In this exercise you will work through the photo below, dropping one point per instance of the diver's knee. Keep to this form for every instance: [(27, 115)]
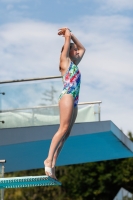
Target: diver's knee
[(63, 129)]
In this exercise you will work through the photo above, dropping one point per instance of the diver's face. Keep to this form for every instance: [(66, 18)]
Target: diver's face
[(74, 53)]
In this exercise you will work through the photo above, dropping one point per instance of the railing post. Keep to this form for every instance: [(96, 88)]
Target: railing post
[(0, 103), (1, 93), (99, 112), (2, 169)]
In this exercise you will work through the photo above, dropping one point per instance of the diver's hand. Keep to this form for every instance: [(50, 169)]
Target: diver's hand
[(63, 31)]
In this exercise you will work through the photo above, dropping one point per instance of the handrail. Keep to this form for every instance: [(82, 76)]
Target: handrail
[(49, 106), (2, 176), (30, 79), (91, 102)]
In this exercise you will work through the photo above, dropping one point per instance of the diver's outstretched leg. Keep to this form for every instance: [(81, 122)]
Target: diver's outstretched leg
[(66, 111), (56, 154)]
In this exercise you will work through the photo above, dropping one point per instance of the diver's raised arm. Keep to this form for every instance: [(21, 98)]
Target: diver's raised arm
[(81, 48), (66, 47)]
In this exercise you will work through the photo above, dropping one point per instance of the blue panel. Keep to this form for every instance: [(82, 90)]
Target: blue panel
[(92, 148), (78, 149), (24, 156)]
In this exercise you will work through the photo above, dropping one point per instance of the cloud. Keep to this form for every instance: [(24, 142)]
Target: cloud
[(9, 7), (116, 5), (32, 49), (108, 43), (107, 66), (27, 47)]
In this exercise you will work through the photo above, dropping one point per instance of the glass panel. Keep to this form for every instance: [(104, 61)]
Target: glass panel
[(44, 116), (30, 94), (31, 104)]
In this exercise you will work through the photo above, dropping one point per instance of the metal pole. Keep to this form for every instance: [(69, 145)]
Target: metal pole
[(49, 106), (30, 79), (2, 176), (0, 104), (3, 93), (99, 112), (2, 190)]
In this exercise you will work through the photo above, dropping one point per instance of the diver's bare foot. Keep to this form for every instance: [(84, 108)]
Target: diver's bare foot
[(48, 168)]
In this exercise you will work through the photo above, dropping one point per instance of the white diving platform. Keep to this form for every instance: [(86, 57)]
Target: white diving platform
[(29, 181)]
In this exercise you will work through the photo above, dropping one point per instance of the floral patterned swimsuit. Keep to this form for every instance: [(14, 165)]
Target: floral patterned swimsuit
[(71, 81)]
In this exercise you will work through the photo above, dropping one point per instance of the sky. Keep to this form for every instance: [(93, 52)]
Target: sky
[(30, 48)]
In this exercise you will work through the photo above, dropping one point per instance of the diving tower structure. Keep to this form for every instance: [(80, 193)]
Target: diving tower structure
[(26, 130)]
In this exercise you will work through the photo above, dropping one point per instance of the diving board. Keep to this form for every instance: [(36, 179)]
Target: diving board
[(26, 148), (27, 181)]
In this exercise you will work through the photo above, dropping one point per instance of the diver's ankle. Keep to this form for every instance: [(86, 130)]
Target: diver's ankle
[(48, 162)]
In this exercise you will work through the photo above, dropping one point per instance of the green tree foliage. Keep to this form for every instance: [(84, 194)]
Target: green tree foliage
[(130, 135), (89, 181)]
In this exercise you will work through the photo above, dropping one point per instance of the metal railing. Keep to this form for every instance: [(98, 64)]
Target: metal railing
[(30, 79), (56, 105), (2, 168), (49, 106), (45, 106)]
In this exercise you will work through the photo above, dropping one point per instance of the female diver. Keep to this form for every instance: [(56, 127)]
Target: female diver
[(70, 57)]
